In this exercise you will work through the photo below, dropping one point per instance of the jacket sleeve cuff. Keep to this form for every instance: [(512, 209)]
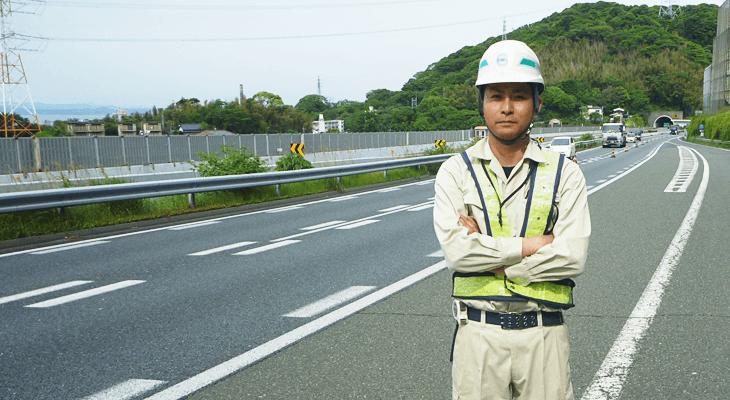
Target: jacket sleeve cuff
[(511, 250)]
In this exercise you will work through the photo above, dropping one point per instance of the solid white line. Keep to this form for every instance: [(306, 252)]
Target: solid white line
[(606, 183), (608, 381), (266, 247), (282, 209), (423, 207), (69, 247), (193, 225), (324, 225), (343, 198), (242, 361), (84, 294), (329, 302), (126, 390), (38, 292), (359, 224), (391, 189), (222, 248)]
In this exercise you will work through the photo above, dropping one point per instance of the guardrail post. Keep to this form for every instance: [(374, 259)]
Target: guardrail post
[(254, 144), (191, 200), (385, 173), (278, 190)]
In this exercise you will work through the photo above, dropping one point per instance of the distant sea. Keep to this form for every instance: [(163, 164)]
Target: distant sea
[(64, 112)]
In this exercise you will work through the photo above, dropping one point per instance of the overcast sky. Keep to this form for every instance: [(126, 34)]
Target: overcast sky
[(145, 53)]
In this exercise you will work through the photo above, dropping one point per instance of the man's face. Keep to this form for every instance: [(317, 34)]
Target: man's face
[(508, 108)]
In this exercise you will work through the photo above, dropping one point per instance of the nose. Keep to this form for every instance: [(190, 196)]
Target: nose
[(507, 106)]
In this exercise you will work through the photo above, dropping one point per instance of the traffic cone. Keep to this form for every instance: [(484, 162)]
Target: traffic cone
[(613, 153), (636, 144), (575, 158)]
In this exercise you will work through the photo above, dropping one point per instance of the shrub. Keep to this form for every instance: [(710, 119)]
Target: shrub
[(234, 162), (291, 162)]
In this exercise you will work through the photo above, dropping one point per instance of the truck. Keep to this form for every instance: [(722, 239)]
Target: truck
[(614, 134)]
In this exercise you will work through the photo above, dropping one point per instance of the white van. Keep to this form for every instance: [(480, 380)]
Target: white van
[(563, 144)]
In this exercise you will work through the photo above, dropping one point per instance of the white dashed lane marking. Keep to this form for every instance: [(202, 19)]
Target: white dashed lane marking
[(38, 292), (222, 248), (320, 226), (359, 224), (267, 247), (84, 294)]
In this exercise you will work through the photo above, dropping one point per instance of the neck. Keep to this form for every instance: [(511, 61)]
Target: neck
[(509, 155)]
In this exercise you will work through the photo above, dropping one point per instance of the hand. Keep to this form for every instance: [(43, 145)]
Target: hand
[(469, 223), (531, 245)]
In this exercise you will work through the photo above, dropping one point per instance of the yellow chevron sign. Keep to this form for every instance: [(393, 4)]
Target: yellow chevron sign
[(441, 144), (540, 139), (297, 148)]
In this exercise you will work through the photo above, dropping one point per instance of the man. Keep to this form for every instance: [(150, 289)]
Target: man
[(513, 263)]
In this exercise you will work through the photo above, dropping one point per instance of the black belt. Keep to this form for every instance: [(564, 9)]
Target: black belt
[(516, 321)]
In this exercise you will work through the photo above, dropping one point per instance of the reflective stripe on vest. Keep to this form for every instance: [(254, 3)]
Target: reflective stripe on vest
[(544, 180)]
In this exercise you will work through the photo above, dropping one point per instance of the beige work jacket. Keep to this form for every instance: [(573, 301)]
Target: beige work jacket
[(456, 194)]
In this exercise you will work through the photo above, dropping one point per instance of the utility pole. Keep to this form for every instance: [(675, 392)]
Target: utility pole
[(240, 99), (504, 28), (16, 92)]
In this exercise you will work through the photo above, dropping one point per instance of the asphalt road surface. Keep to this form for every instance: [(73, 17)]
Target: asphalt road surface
[(347, 296)]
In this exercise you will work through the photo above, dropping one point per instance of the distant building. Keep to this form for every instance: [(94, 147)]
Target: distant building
[(593, 109), (555, 123), (322, 126), (86, 128), (126, 128), (151, 128), (190, 129)]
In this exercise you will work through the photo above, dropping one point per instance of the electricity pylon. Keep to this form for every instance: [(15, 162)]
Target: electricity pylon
[(17, 101), (667, 8)]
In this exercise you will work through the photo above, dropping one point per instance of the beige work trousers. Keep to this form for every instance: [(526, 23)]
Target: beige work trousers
[(491, 363)]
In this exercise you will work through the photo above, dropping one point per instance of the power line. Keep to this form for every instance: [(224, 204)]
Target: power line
[(210, 7), (324, 35)]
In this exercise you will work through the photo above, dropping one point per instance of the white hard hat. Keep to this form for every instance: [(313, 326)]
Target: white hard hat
[(510, 61)]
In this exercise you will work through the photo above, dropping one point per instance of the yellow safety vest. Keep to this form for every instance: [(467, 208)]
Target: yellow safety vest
[(538, 221)]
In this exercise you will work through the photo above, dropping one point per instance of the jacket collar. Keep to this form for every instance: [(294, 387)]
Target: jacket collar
[(482, 150)]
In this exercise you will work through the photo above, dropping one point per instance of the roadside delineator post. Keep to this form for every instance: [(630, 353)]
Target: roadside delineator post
[(613, 153)]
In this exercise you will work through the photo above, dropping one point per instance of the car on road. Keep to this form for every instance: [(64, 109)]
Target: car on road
[(563, 144), (674, 130), (631, 137), (637, 133)]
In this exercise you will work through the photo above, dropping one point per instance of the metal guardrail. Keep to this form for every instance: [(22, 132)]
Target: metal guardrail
[(67, 197)]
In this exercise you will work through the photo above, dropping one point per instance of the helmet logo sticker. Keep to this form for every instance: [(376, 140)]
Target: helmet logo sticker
[(502, 59), (483, 64)]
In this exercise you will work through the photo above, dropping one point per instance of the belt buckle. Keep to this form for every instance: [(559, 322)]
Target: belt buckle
[(518, 321)]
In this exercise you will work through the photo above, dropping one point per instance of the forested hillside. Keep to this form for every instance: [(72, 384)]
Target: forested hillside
[(602, 54)]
